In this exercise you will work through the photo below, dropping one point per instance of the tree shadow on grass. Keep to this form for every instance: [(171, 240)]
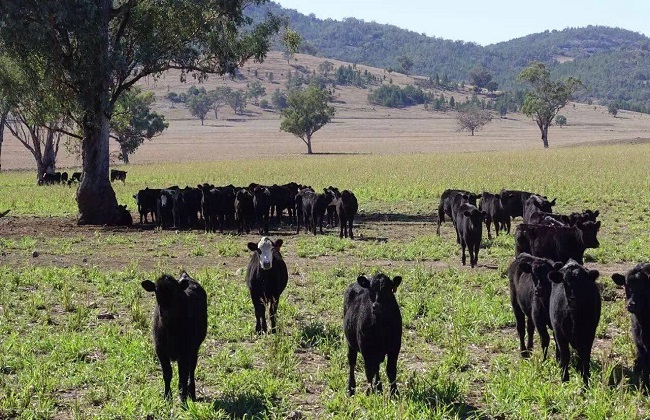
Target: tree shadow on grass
[(244, 405)]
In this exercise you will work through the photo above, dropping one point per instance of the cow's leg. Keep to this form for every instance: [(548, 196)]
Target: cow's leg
[(563, 351), (260, 316), (183, 376), (488, 222), (350, 228), (545, 339), (520, 320), (166, 366), (530, 327), (391, 372), (372, 369), (192, 384), (352, 361), (273, 308), (462, 246)]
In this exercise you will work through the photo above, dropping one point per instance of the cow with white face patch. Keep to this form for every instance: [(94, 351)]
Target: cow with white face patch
[(266, 278)]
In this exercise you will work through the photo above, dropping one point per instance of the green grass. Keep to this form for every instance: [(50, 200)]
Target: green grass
[(459, 354)]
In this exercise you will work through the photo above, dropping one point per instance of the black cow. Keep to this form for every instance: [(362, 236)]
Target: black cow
[(146, 200), (244, 210), (331, 210), (64, 177), (469, 229), (530, 293), (117, 175), (266, 278), (446, 201), (494, 213), (212, 208), (262, 205), (165, 216), (122, 216), (536, 203), (557, 243), (346, 208), (637, 296), (514, 201), (283, 197), (50, 178), (314, 206), (300, 217), (574, 310), (180, 323), (76, 176), (373, 326)]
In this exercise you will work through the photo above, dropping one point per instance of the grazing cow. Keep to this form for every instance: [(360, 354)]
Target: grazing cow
[(346, 208), (244, 210), (574, 310), (557, 243), (445, 206), (637, 297), (50, 178), (117, 175), (494, 213), (76, 176), (180, 323), (373, 326), (469, 228), (536, 203), (313, 208), (261, 205), (530, 293), (146, 200), (266, 278), (122, 216), (514, 201)]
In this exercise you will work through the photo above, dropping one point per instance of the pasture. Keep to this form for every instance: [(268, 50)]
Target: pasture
[(75, 324)]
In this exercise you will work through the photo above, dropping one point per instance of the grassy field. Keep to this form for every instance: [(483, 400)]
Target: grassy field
[(75, 323)]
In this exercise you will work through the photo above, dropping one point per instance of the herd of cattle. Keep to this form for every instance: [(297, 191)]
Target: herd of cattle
[(549, 288), (51, 178), (220, 207)]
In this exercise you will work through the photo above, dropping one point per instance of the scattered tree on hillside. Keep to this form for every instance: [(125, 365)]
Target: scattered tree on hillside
[(472, 118), (255, 90), (480, 77), (325, 68), (547, 97), (291, 43), (560, 120), (279, 100), (406, 63), (612, 108), (95, 50), (236, 99), (133, 121), (219, 97), (492, 86), (199, 105), (306, 113)]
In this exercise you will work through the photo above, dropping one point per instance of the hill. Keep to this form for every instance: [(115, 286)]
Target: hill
[(614, 63)]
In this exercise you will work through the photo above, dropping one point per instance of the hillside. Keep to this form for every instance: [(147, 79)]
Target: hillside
[(614, 63)]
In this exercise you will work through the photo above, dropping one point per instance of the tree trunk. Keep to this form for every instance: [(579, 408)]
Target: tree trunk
[(3, 121), (544, 129), (309, 152), (124, 153)]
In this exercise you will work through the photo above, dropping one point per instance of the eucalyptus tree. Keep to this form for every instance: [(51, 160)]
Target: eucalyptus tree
[(92, 51)]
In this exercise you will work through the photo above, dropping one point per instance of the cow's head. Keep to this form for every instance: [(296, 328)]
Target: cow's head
[(637, 288), (265, 249), (539, 268), (575, 279), (589, 233), (381, 290), (168, 291), (476, 216)]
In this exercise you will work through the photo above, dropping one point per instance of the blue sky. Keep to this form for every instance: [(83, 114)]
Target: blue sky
[(484, 22)]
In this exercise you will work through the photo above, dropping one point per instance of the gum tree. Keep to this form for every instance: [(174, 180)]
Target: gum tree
[(307, 111), (95, 50)]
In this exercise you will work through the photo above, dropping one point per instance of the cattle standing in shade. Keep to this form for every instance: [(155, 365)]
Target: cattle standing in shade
[(180, 324), (146, 201), (637, 297), (266, 278), (346, 207), (557, 243), (373, 326), (530, 294), (117, 175), (494, 213), (469, 229), (574, 310)]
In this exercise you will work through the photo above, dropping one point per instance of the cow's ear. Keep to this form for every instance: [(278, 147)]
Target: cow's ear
[(363, 282), (467, 213), (278, 244), (618, 279), (596, 213), (552, 203), (555, 276), (185, 283), (593, 275), (149, 286), (397, 280), (525, 267), (252, 246), (597, 225)]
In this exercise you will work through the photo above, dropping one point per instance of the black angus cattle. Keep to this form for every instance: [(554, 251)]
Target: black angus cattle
[(300, 218), (282, 198), (212, 208), (50, 178), (122, 216), (469, 228), (584, 216), (192, 199), (64, 177), (117, 175), (574, 310), (494, 213), (549, 219), (180, 324), (637, 299), (146, 200), (346, 208), (266, 278), (514, 201), (557, 243), (530, 294), (261, 205), (331, 210), (165, 207), (244, 210), (536, 203), (446, 201), (76, 176), (314, 206), (373, 326)]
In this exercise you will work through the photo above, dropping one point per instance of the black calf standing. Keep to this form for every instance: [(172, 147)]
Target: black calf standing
[(180, 323), (346, 207), (637, 295), (469, 229), (574, 311), (266, 278), (373, 326), (495, 213), (530, 293)]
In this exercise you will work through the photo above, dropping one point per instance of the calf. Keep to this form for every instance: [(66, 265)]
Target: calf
[(469, 228), (146, 201), (244, 210), (266, 278), (530, 293), (536, 203), (180, 323), (117, 175), (574, 310), (514, 201), (282, 197), (313, 208), (373, 326), (637, 296), (122, 216), (346, 208), (557, 243), (494, 213), (445, 206)]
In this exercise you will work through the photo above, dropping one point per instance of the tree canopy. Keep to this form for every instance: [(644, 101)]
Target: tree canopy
[(307, 112), (547, 97), (472, 118)]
